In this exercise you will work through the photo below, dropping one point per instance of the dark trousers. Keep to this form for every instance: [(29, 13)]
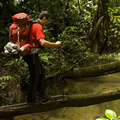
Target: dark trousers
[(37, 77)]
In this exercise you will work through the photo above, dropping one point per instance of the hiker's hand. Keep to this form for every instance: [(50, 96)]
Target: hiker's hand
[(58, 43)]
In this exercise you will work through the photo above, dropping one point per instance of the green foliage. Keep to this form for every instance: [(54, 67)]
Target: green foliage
[(14, 62), (110, 114), (4, 79), (10, 63), (45, 57), (17, 65), (114, 14), (71, 20), (75, 47)]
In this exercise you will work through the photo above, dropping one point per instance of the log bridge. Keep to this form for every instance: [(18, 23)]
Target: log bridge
[(59, 101)]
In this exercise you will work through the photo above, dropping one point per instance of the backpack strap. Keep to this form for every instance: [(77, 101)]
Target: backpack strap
[(27, 33), (10, 33), (18, 33), (33, 43), (36, 21)]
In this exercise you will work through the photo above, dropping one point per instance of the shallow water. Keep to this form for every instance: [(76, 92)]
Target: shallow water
[(82, 85)]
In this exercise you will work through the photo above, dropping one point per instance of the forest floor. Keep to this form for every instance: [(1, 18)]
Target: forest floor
[(11, 90)]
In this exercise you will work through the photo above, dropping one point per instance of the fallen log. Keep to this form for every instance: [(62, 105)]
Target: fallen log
[(59, 102), (92, 71), (59, 73), (97, 70)]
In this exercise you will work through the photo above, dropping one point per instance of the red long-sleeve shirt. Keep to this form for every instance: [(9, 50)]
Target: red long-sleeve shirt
[(36, 32)]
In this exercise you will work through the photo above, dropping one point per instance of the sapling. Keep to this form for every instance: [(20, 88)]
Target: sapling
[(111, 115)]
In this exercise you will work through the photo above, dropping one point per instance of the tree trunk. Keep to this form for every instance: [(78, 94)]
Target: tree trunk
[(97, 70), (59, 102)]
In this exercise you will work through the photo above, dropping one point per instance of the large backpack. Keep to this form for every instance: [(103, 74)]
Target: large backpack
[(18, 36)]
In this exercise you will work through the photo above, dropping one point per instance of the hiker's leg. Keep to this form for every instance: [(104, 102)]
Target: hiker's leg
[(42, 82), (37, 71), (33, 81)]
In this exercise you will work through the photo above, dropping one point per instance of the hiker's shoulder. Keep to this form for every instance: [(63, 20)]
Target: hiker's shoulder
[(36, 25)]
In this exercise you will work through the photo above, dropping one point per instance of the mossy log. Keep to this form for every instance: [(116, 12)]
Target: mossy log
[(92, 71), (56, 102), (97, 70)]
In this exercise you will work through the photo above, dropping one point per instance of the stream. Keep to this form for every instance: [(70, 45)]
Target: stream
[(80, 86)]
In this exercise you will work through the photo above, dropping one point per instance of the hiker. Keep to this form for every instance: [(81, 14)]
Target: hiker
[(37, 72)]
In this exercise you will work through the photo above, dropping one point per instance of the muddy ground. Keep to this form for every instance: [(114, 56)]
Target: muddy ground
[(82, 85)]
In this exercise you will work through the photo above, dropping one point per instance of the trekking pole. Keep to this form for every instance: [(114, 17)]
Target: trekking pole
[(59, 57), (60, 76), (61, 81)]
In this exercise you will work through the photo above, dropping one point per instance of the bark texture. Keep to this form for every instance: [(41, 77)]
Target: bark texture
[(56, 102), (97, 70)]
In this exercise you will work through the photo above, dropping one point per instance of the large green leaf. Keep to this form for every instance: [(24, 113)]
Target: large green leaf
[(101, 119), (1, 4), (110, 114), (44, 58)]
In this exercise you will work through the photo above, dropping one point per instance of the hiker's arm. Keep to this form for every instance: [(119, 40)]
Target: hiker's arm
[(45, 43)]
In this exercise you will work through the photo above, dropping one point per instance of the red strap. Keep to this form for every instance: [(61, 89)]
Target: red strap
[(10, 33)]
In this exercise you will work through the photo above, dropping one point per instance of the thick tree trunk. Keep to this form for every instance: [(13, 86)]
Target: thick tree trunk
[(59, 102), (97, 70)]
